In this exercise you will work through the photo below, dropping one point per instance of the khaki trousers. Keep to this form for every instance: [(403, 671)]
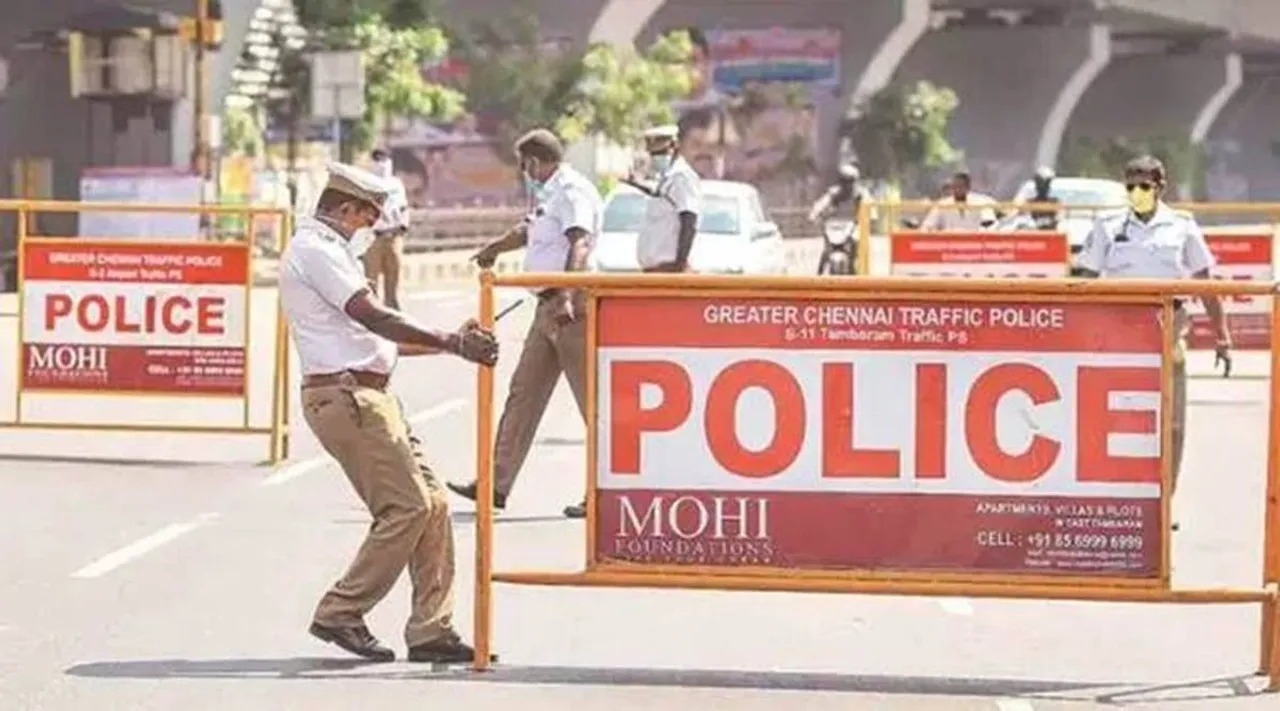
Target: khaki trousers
[(383, 260), (549, 350), (1182, 327), (366, 431)]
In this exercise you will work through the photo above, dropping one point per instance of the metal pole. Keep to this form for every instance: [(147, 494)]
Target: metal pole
[(200, 162)]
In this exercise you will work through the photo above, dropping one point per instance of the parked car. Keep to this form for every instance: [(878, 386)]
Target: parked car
[(1090, 192), (734, 236)]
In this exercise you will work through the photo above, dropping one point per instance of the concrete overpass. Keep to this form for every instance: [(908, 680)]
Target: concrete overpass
[(1028, 72)]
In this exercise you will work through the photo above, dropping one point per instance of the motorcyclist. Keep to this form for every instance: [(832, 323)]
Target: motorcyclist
[(845, 191), (1043, 182)]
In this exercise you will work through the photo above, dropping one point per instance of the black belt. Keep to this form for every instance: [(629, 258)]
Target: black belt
[(362, 378)]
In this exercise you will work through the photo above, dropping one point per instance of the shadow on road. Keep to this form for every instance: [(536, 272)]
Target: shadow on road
[(318, 668)]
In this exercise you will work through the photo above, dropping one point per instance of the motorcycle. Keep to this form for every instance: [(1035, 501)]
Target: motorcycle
[(839, 247)]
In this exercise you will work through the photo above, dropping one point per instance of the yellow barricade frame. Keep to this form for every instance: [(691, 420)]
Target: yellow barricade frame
[(278, 427), (1016, 586)]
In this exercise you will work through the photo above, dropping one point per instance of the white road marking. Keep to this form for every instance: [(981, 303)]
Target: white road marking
[(306, 466), (139, 548), (1014, 705), (957, 606)]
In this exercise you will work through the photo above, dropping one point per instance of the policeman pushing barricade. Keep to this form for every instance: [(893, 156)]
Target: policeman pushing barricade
[(1151, 240), (348, 343), (558, 235)]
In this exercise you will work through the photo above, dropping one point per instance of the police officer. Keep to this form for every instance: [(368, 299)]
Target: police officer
[(1151, 240), (671, 212), (558, 236), (385, 254), (348, 343)]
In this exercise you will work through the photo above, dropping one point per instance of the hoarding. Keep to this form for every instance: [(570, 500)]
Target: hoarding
[(908, 435), (979, 254), (1241, 257), (134, 318)]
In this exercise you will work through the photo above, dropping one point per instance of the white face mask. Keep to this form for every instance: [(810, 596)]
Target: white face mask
[(360, 242), (383, 168)]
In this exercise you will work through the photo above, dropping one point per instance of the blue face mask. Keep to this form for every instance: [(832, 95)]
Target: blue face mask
[(661, 162)]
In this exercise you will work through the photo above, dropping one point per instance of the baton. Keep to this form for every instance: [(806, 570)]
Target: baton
[(507, 310)]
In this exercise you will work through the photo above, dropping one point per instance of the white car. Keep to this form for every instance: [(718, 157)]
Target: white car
[(735, 236), (1089, 192)]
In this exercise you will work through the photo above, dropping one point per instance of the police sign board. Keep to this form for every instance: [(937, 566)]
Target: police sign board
[(962, 436), (134, 318), (1241, 257), (979, 254)]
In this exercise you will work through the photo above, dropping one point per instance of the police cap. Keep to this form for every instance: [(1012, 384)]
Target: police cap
[(359, 184)]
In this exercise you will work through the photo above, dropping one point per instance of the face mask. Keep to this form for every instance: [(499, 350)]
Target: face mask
[(1142, 200), (532, 188), (661, 162), (360, 242), (383, 169)]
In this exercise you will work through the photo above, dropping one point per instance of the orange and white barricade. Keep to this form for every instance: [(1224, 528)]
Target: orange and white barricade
[(1006, 255), (1246, 257), (792, 433), (146, 333)]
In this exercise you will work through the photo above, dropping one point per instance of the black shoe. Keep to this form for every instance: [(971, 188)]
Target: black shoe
[(468, 491), (449, 649), (576, 510), (357, 640)]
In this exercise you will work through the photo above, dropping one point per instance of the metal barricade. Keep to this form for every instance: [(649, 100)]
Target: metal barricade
[(114, 323), (677, 499)]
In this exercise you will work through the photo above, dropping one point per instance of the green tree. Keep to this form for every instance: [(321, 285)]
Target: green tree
[(901, 131), (241, 133), (396, 38), (515, 82)]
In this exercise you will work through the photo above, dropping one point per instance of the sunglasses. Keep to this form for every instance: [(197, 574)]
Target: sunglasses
[(1143, 186)]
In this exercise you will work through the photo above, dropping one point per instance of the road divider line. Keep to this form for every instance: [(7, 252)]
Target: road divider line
[(306, 466), (1014, 705), (141, 547), (957, 606)]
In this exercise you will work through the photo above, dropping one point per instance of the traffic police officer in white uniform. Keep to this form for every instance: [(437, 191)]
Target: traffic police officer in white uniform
[(348, 343), (558, 236), (675, 198), (1153, 241)]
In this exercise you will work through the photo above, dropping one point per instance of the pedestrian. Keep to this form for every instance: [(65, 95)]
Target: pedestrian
[(558, 235), (383, 258), (348, 343), (973, 210), (671, 212), (1151, 240)]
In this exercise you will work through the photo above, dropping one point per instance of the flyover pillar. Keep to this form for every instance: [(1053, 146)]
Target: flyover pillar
[(1244, 143), (1153, 94), (1016, 86)]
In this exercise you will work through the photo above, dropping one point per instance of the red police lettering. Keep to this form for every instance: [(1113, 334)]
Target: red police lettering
[(843, 457), (174, 314)]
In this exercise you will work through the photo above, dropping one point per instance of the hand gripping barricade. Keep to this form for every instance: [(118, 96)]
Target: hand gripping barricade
[(687, 490), (155, 333)]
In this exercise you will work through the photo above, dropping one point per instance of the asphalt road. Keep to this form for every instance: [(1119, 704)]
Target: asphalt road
[(172, 572)]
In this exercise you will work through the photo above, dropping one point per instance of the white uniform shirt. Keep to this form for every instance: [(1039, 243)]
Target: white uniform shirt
[(395, 211), (568, 200), (978, 209), (318, 276), (679, 190), (1169, 246)]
